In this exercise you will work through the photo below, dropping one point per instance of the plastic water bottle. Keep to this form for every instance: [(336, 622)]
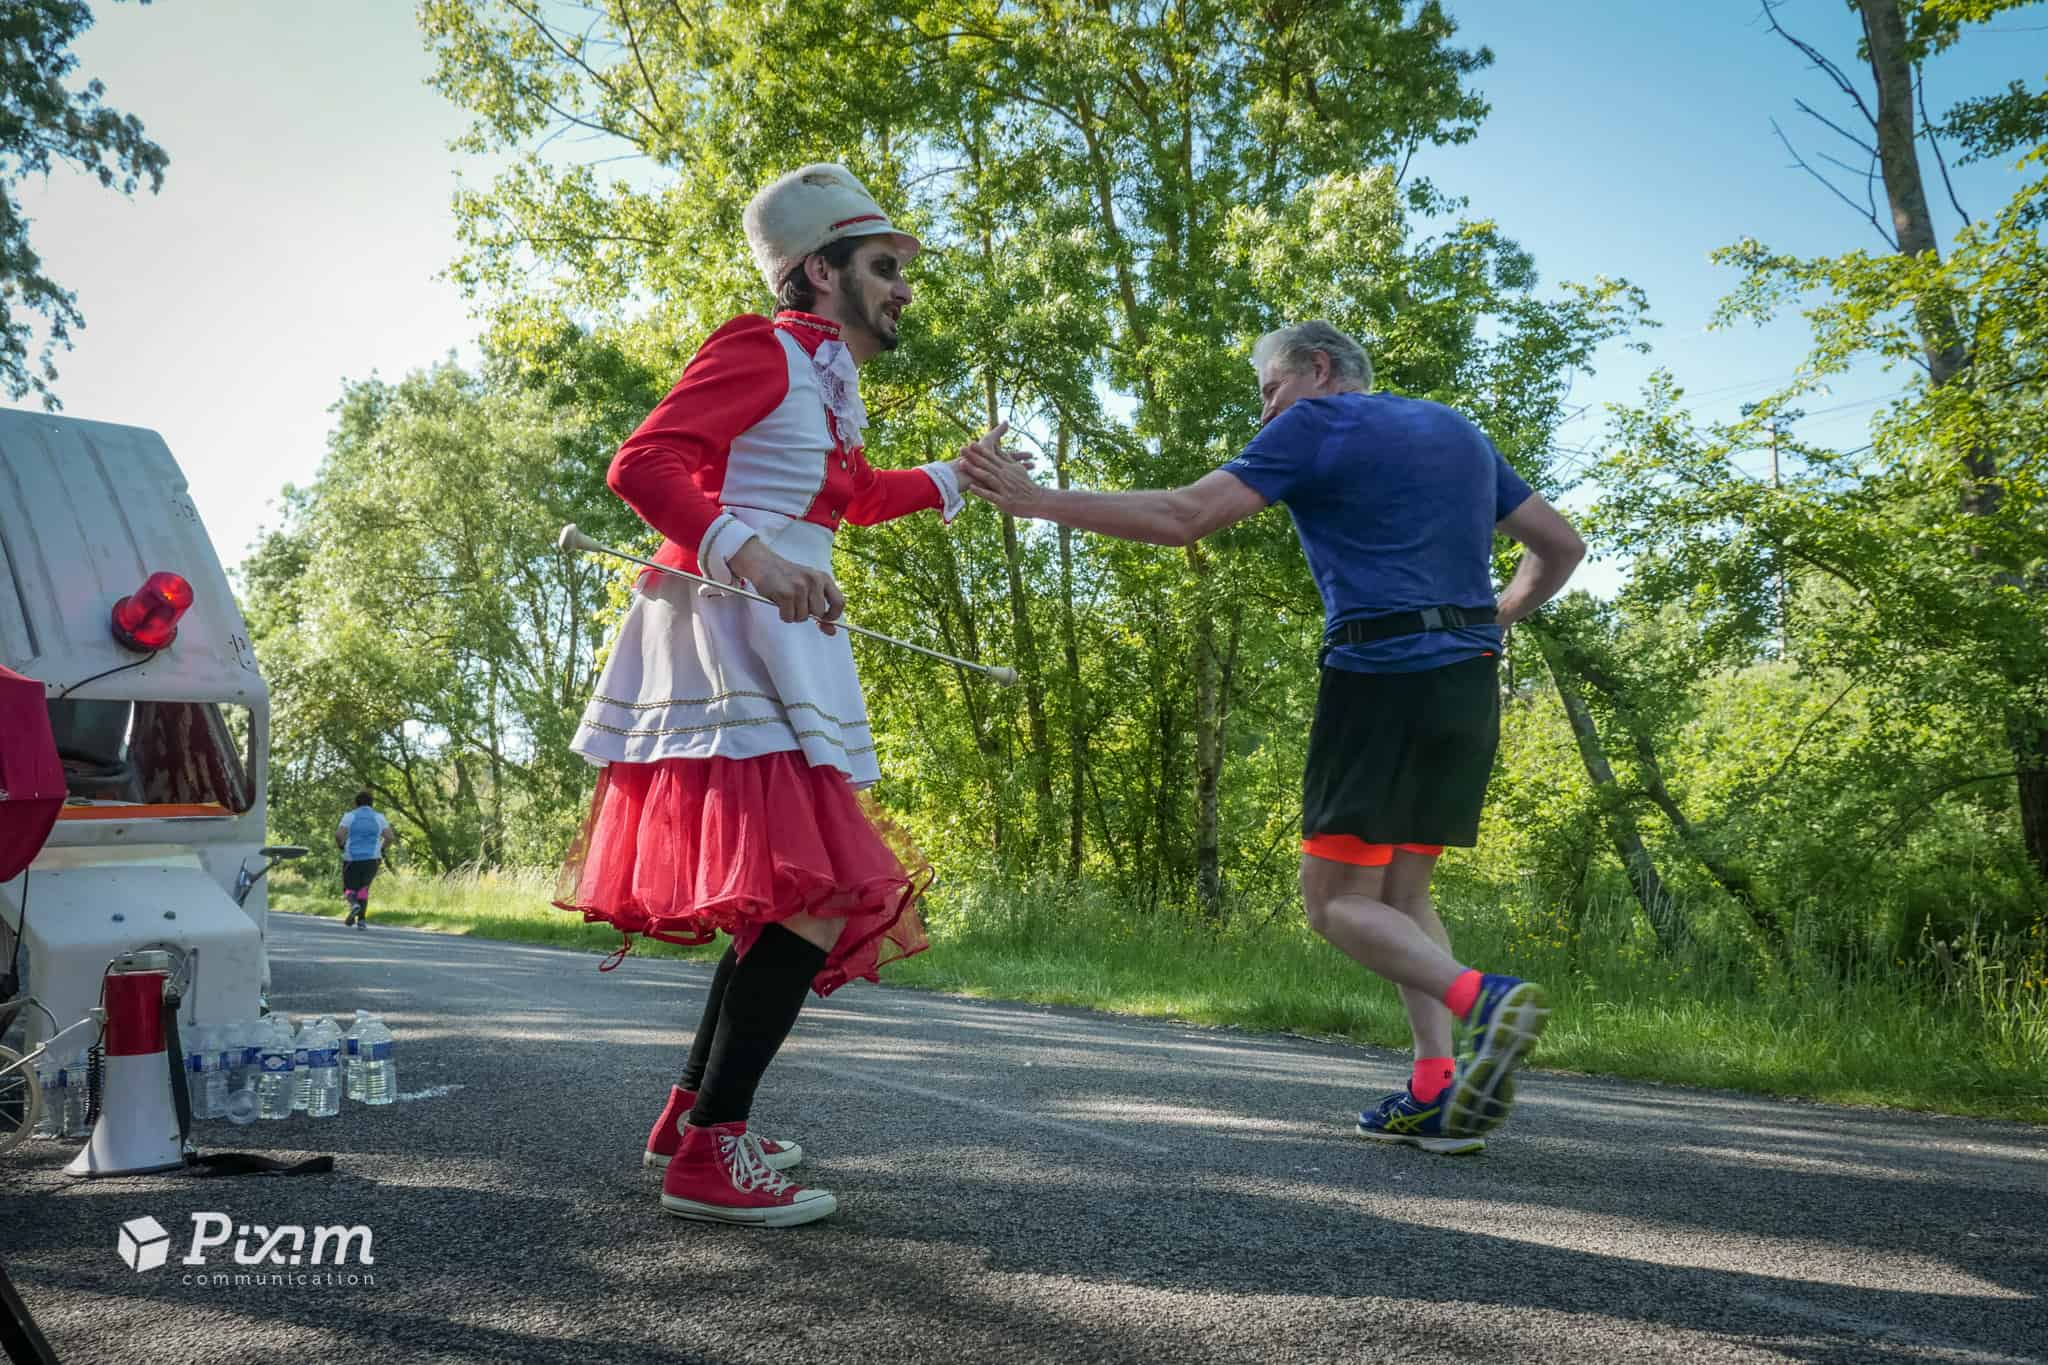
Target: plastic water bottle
[(227, 1055), (352, 1073), (202, 1072), (194, 1064), (274, 1081), (55, 1080), (323, 1094), (239, 1041), (252, 1034), (78, 1098), (216, 1078), (242, 1060), (380, 1071), (302, 1065)]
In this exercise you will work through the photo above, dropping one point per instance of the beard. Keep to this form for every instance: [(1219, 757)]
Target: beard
[(873, 320)]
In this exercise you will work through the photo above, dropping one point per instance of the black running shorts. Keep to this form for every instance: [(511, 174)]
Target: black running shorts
[(1402, 758)]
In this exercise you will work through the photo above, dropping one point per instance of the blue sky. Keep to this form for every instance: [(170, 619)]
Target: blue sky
[(304, 218)]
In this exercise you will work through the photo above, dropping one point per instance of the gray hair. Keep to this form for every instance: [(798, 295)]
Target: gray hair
[(1292, 345)]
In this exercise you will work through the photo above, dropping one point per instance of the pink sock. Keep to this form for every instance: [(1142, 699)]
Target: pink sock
[(1463, 993), (1430, 1078)]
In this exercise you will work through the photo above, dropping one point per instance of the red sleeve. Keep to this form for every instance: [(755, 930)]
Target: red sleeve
[(670, 471), (884, 494)]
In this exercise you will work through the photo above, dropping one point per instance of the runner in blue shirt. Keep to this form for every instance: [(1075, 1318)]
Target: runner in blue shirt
[(363, 836), (1396, 501)]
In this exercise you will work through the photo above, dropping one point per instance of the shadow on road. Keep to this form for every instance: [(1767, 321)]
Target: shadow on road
[(1031, 1184)]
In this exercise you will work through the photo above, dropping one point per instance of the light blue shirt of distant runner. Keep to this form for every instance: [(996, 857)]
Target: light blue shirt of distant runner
[(364, 829)]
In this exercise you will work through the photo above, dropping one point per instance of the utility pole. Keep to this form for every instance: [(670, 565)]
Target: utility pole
[(1778, 560), (1773, 425)]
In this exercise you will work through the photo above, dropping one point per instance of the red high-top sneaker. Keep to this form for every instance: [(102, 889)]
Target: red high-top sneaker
[(668, 1135), (718, 1176)]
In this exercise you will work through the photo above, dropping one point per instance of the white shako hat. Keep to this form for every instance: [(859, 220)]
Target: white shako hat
[(807, 209)]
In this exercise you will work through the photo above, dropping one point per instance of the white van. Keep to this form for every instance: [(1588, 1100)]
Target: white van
[(164, 753)]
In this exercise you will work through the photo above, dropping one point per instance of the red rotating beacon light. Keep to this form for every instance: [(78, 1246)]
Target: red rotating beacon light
[(148, 620)]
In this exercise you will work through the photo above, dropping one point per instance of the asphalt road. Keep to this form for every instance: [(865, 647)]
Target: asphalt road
[(1026, 1184)]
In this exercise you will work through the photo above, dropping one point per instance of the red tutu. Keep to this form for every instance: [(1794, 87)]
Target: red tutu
[(686, 848)]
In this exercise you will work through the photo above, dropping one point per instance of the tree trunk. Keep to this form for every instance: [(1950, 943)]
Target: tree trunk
[(1208, 768), (1941, 339), (1615, 813), (1027, 665), (1730, 878), (494, 837), (2029, 739), (1160, 869), (985, 741), (1077, 719), (1212, 709)]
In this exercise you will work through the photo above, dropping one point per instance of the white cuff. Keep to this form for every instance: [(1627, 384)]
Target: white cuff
[(722, 538), (941, 473)]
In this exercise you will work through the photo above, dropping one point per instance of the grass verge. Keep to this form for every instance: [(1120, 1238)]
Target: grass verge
[(1621, 1010)]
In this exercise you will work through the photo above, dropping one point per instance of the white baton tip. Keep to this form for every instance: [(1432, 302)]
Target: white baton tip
[(567, 540), (1005, 676)]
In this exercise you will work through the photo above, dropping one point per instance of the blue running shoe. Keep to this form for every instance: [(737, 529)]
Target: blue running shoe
[(1505, 1023), (1400, 1117)]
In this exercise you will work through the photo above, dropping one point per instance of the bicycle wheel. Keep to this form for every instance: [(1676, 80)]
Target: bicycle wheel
[(21, 1100)]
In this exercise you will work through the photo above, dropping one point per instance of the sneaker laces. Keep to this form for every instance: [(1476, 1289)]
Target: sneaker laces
[(748, 1165)]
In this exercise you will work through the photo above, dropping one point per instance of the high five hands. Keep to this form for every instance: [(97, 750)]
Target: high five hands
[(996, 475), (803, 593)]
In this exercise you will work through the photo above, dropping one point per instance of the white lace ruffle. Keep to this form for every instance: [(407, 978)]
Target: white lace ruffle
[(839, 386)]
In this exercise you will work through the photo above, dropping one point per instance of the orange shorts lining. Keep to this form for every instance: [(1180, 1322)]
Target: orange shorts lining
[(1348, 848)]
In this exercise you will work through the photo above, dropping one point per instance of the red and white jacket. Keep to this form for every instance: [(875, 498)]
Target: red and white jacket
[(766, 416)]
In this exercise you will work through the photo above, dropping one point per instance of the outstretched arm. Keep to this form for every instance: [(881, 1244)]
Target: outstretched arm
[(1179, 516), (1551, 550)]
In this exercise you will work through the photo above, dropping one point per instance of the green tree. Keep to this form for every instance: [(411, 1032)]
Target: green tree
[(1963, 447), (422, 634), (1121, 196), (44, 124)]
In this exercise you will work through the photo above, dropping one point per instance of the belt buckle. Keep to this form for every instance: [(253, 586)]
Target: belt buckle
[(1432, 618)]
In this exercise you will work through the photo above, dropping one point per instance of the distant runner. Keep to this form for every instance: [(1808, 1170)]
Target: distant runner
[(363, 836)]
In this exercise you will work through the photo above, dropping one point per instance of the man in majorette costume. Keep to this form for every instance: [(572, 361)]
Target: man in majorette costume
[(733, 742)]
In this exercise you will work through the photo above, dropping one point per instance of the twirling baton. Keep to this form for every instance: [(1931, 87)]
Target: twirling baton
[(573, 539)]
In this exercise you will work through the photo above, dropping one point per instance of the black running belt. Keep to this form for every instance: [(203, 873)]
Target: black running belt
[(1407, 623)]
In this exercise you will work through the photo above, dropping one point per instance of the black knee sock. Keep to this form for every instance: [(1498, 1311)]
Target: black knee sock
[(707, 1027), (761, 1004)]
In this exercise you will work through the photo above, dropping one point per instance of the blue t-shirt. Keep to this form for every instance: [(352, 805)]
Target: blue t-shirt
[(364, 830), (1395, 501)]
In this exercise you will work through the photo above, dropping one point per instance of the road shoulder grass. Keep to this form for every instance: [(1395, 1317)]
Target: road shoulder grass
[(1872, 1043)]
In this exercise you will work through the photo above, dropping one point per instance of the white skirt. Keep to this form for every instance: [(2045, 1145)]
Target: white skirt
[(699, 673)]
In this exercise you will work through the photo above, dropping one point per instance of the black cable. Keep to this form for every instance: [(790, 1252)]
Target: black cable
[(108, 674), (95, 1074)]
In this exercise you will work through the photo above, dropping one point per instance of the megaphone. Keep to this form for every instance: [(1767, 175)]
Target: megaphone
[(137, 1131)]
